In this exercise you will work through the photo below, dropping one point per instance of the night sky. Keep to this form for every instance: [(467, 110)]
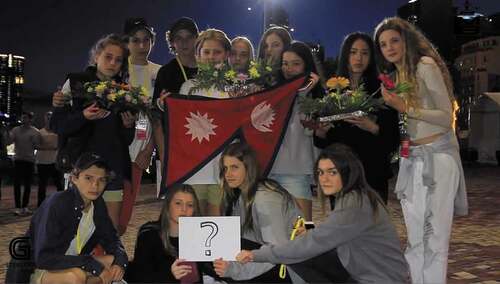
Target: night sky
[(56, 35)]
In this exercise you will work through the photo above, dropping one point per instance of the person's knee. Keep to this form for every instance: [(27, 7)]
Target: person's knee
[(76, 275)]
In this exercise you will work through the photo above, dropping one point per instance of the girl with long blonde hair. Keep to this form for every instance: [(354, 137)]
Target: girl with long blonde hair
[(430, 182)]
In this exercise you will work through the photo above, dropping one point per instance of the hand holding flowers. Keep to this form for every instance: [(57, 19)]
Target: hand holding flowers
[(94, 112), (340, 102), (393, 94), (105, 96), (364, 123)]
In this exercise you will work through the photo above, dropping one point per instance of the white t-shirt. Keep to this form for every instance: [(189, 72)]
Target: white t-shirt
[(142, 75)]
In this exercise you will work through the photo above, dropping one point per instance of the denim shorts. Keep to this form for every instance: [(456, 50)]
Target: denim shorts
[(298, 185), (114, 189)]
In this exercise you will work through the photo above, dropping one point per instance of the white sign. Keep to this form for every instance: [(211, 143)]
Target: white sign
[(209, 238)]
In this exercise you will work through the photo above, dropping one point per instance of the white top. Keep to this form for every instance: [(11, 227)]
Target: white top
[(48, 143), (297, 153), (435, 114), (209, 174), (86, 228), (142, 75)]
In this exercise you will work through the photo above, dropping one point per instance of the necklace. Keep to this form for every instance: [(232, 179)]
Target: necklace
[(182, 68)]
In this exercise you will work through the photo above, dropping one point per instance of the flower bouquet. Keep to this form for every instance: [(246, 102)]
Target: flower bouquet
[(340, 102), (398, 89), (222, 78), (115, 97)]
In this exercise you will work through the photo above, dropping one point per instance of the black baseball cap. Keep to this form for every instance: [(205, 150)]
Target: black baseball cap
[(134, 24), (89, 159), (183, 23)]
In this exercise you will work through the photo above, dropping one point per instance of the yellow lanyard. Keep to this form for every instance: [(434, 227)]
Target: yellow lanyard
[(182, 69), (85, 226), (299, 223), (133, 80)]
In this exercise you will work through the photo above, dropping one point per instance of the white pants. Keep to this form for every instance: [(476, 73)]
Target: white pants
[(428, 218)]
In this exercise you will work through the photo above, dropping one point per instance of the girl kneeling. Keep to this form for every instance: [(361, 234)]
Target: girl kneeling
[(359, 230)]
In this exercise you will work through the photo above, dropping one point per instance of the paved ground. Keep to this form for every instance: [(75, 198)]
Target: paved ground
[(474, 251)]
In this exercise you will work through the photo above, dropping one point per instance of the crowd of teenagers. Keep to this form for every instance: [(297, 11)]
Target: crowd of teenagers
[(348, 160)]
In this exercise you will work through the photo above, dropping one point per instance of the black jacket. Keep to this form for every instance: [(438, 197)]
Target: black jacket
[(374, 151), (106, 137), (151, 262), (54, 226)]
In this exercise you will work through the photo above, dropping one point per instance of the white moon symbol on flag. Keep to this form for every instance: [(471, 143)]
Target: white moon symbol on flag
[(262, 117)]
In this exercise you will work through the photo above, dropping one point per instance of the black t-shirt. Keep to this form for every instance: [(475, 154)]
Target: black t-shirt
[(170, 78)]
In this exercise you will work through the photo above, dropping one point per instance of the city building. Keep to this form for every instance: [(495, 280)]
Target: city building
[(436, 19), (11, 86), (479, 69)]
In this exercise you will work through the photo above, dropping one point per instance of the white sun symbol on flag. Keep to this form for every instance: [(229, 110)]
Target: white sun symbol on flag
[(263, 117), (200, 126)]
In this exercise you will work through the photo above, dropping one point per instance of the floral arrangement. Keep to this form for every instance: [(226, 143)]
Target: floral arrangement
[(210, 75), (116, 97), (223, 78), (340, 102)]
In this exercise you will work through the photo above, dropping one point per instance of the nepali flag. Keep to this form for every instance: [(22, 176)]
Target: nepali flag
[(199, 128)]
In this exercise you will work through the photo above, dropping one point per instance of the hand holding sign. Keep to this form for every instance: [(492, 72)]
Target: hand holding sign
[(209, 238), (245, 256)]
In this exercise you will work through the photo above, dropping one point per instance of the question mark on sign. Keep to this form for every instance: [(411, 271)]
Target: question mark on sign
[(213, 233)]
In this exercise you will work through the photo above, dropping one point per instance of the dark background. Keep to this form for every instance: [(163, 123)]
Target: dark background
[(55, 35)]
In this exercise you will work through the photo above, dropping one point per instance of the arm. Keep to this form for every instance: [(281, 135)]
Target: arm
[(108, 236), (434, 82), (37, 139), (275, 230), (66, 120), (341, 227)]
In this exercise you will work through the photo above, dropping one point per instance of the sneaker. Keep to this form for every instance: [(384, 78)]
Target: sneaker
[(17, 211)]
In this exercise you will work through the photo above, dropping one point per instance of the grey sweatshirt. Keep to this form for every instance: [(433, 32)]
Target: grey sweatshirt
[(272, 225), (370, 251)]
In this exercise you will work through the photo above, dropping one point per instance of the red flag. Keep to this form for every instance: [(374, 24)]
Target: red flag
[(199, 128)]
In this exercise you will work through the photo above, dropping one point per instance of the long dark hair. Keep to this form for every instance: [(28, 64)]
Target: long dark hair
[(352, 175), (165, 215), (304, 52), (281, 32), (244, 153), (369, 76)]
